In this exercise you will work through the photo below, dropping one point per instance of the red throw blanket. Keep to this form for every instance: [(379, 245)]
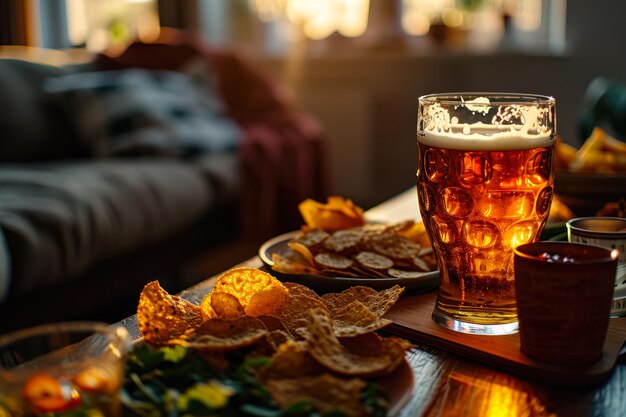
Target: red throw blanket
[(282, 155)]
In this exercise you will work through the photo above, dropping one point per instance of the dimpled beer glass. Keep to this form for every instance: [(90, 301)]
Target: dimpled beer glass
[(485, 185)]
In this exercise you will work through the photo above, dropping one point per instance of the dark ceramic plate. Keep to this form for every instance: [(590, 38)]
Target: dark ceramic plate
[(427, 281), (587, 192)]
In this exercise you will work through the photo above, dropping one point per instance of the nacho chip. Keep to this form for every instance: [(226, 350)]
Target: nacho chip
[(257, 293), (333, 261), (244, 282), (225, 306), (162, 317), (291, 360), (312, 238), (224, 334), (395, 349), (344, 240), (267, 302), (269, 344), (303, 250), (368, 343), (206, 307), (421, 264), (337, 214), (295, 310), (272, 323), (345, 205), (356, 319), (404, 274), (382, 301), (373, 260), (336, 300), (395, 246), (369, 272), (379, 302), (326, 392), (287, 266), (329, 352)]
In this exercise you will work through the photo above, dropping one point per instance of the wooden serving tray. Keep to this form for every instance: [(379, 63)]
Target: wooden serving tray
[(412, 320)]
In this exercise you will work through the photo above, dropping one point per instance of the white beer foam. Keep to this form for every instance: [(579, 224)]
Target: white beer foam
[(480, 138), (503, 133)]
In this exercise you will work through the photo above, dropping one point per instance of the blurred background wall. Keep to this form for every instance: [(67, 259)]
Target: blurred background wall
[(360, 65)]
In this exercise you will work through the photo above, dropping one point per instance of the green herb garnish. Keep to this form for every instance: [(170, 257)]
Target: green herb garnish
[(178, 382)]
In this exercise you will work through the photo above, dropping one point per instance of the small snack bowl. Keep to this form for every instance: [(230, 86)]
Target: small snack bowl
[(608, 232), (563, 293), (71, 368)]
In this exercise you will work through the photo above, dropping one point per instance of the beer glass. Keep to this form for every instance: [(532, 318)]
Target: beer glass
[(485, 185)]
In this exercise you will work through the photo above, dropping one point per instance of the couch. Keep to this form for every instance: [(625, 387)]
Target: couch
[(127, 169)]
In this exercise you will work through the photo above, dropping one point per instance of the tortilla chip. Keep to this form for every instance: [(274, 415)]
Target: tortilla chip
[(162, 317), (396, 348), (383, 300), (291, 360), (272, 323), (404, 274), (311, 238), (379, 302), (329, 352), (333, 261), (337, 213), (356, 319), (344, 240), (395, 246), (368, 343), (244, 282), (326, 392), (226, 306), (295, 311), (224, 334), (287, 266), (336, 300), (303, 250), (375, 261), (267, 302)]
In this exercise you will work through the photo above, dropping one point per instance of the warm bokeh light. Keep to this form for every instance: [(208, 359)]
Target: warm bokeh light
[(415, 23), (527, 17), (452, 17), (355, 16), (76, 22), (320, 26), (318, 19), (468, 396), (111, 25), (268, 10)]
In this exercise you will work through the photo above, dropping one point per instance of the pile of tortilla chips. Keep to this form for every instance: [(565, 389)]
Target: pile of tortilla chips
[(338, 213), (321, 347), (599, 153), (336, 242)]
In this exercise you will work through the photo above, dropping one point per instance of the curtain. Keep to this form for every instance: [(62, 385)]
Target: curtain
[(13, 22), (179, 14)]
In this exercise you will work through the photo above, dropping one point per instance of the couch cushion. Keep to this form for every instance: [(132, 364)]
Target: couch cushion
[(32, 127), (58, 219), (143, 112)]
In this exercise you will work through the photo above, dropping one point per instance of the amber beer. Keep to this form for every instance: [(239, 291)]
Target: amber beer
[(482, 191)]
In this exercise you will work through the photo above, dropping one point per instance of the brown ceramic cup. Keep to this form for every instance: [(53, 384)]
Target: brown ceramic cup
[(563, 293)]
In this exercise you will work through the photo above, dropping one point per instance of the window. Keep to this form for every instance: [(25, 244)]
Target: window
[(111, 24)]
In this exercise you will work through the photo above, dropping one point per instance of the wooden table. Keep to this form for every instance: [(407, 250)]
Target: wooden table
[(450, 385)]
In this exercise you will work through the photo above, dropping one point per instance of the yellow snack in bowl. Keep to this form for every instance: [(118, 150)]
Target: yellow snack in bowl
[(600, 153)]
